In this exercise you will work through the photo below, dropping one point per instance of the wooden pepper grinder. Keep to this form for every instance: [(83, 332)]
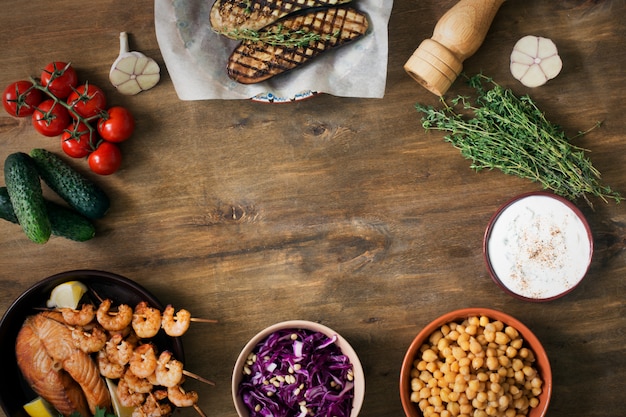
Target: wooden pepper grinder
[(438, 61)]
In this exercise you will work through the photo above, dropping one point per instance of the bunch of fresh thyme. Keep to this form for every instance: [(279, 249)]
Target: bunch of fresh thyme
[(279, 36), (511, 134)]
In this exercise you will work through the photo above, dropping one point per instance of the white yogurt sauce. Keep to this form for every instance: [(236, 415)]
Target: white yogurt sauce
[(538, 247)]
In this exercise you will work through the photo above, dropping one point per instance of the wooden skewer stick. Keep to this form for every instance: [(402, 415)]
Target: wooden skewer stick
[(199, 411), (198, 377), (199, 320)]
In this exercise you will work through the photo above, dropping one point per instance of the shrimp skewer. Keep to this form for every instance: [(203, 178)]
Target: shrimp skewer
[(81, 317), (108, 369), (89, 340), (181, 398), (143, 361), (152, 407), (146, 320), (169, 371), (129, 397), (176, 323), (118, 349), (114, 322)]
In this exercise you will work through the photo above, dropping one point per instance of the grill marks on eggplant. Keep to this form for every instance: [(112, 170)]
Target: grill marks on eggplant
[(231, 15), (253, 62)]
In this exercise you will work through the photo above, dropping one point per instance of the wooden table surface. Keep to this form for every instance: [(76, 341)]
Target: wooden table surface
[(338, 210)]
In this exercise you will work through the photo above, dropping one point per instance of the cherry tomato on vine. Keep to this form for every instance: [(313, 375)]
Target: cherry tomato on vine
[(60, 78), (117, 125), (50, 118), (87, 100), (106, 159), (77, 139), (20, 98)]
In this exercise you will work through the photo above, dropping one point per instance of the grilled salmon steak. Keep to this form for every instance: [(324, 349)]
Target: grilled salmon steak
[(310, 34), (230, 16), (56, 369), (45, 375)]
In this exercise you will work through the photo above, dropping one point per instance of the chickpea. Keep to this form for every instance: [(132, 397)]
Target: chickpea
[(475, 368), (435, 337), (502, 338)]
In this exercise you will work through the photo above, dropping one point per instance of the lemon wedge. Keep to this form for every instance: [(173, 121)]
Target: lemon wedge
[(118, 409), (40, 408), (66, 295)]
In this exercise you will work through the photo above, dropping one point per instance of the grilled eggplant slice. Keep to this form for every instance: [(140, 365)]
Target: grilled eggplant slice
[(230, 16), (254, 61)]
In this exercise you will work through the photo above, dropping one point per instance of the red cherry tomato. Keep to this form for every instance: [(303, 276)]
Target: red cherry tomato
[(106, 159), (117, 125), (87, 100), (76, 141), (50, 118), (20, 98), (60, 78)]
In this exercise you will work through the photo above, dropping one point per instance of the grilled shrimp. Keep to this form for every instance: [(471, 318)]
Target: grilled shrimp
[(146, 320), (128, 397), (137, 384), (143, 361), (152, 407), (118, 349), (181, 398), (169, 371), (114, 322), (108, 369), (81, 317), (175, 324), (89, 340)]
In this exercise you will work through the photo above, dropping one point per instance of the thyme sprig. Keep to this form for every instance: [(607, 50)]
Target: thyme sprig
[(499, 130), (279, 36)]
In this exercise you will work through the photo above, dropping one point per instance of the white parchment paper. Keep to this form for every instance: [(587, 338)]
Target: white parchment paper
[(196, 58)]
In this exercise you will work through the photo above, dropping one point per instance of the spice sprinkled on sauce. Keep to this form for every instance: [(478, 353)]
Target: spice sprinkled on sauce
[(539, 247)]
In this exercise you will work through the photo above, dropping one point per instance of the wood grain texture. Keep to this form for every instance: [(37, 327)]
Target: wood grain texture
[(343, 211)]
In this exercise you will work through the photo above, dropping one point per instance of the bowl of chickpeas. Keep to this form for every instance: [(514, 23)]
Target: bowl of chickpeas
[(475, 362)]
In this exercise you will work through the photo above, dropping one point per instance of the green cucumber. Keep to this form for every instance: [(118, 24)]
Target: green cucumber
[(6, 208), (26, 196), (64, 222), (78, 191)]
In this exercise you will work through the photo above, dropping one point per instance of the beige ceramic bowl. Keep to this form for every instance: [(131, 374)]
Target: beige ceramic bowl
[(538, 246), (346, 349), (530, 340)]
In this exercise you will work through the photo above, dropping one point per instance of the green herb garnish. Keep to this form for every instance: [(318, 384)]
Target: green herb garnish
[(279, 36), (100, 412), (510, 133)]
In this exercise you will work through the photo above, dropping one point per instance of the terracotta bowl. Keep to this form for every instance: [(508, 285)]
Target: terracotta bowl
[(542, 363), (16, 392), (538, 247), (344, 346)]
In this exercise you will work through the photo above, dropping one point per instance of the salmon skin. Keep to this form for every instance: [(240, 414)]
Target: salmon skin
[(230, 16), (254, 61)]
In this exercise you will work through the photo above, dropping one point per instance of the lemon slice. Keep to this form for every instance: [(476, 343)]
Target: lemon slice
[(118, 409), (40, 408), (66, 295)]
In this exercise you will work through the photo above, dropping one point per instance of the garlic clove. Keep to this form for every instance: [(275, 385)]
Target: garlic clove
[(535, 60), (133, 72)]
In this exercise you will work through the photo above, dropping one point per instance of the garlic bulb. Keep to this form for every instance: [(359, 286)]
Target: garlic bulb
[(133, 72), (535, 60)]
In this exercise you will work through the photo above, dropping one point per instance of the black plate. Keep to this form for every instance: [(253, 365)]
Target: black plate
[(15, 392)]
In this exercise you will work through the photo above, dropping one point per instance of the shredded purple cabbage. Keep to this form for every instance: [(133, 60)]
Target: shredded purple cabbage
[(297, 373)]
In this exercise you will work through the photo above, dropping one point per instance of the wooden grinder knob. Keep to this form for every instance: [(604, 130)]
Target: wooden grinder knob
[(438, 61)]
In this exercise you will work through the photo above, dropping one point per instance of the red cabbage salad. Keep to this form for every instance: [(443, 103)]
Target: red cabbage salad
[(297, 373)]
